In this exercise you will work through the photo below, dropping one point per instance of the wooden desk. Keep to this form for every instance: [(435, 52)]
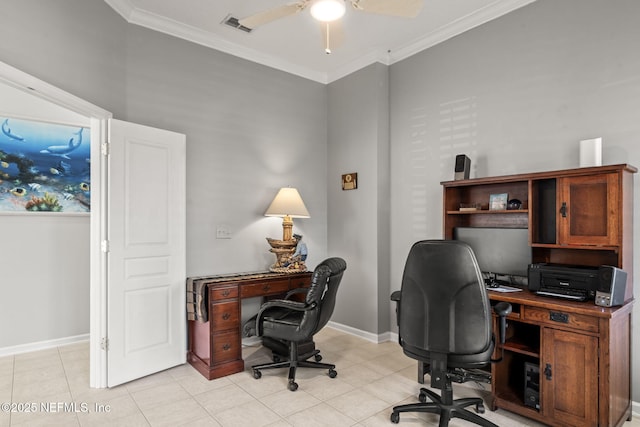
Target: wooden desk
[(215, 346), (583, 353)]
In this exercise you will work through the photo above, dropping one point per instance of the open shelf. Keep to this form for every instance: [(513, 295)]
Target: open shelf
[(487, 211)]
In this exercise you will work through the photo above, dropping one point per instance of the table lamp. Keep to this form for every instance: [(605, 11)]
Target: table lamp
[(287, 204)]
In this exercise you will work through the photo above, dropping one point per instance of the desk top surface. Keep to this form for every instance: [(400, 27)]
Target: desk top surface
[(251, 275), (587, 307)]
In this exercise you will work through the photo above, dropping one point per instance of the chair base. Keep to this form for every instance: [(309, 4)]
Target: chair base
[(293, 363), (446, 407)]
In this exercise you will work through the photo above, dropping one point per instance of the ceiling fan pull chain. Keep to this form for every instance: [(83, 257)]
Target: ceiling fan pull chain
[(327, 49)]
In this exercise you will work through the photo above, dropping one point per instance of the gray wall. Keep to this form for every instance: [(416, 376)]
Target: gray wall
[(516, 95), (250, 130), (358, 221), (44, 257)]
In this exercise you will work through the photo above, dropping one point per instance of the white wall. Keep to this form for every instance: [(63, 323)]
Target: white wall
[(44, 291)]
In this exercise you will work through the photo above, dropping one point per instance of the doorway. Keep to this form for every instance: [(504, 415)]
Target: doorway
[(101, 225)]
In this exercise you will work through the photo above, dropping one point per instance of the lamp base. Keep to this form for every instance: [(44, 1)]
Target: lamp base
[(283, 250)]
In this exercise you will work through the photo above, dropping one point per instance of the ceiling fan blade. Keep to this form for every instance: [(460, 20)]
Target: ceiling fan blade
[(332, 35), (403, 8), (267, 16)]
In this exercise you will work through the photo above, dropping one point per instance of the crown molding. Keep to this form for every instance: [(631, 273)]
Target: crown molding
[(457, 27), (174, 28), (165, 25)]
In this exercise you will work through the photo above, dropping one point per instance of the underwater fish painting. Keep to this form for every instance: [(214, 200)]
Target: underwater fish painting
[(44, 167), (6, 130)]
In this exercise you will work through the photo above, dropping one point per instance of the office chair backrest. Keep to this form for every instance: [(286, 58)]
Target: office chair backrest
[(324, 286), (445, 307)]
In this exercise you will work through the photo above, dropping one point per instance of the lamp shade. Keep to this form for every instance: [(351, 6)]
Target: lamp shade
[(287, 203)]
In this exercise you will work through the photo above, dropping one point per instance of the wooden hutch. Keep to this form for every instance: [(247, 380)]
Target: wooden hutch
[(582, 351)]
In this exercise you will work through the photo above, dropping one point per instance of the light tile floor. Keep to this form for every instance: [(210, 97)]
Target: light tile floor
[(372, 378)]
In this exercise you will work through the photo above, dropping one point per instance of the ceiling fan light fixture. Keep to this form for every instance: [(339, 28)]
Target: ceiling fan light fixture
[(327, 10)]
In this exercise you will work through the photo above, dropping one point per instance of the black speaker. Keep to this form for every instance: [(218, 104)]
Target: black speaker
[(612, 283), (463, 164)]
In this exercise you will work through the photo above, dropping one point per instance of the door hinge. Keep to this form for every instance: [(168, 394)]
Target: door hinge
[(104, 147), (104, 246), (104, 344)]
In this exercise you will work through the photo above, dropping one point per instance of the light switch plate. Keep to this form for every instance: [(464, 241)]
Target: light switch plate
[(223, 232)]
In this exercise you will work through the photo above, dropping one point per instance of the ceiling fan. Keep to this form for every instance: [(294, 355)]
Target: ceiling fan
[(328, 13)]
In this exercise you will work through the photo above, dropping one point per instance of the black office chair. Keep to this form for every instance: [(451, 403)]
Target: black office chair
[(444, 320), (293, 324)]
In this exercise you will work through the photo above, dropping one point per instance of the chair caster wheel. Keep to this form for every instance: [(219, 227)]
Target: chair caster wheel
[(422, 397), (480, 408), (257, 374), (318, 357), (395, 417), (332, 373), (276, 359), (293, 386)]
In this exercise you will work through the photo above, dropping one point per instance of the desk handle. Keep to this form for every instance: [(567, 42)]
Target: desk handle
[(226, 293), (266, 287), (227, 346), (226, 316), (556, 316)]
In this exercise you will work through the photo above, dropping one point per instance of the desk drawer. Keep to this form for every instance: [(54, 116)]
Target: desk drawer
[(272, 287), (300, 282), (221, 293), (224, 315), (226, 347), (561, 318)]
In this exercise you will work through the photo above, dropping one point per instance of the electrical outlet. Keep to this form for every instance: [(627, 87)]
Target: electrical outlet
[(223, 232)]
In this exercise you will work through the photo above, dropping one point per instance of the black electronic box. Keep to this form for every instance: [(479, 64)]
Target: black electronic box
[(577, 283)]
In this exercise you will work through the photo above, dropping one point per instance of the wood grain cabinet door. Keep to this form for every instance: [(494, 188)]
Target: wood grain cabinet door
[(588, 210), (569, 377)]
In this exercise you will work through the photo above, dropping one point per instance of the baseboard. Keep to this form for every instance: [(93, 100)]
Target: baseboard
[(635, 409), (375, 338), (42, 345)]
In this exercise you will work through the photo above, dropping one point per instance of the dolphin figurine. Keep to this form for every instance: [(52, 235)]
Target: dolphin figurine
[(7, 131), (63, 150)]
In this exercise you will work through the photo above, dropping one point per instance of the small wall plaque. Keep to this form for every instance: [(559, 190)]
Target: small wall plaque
[(350, 181)]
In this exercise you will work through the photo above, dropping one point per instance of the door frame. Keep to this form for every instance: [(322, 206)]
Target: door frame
[(98, 267)]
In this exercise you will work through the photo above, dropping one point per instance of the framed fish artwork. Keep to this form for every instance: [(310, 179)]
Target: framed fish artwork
[(44, 167)]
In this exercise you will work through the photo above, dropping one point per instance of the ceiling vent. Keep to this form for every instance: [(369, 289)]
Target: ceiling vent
[(234, 22)]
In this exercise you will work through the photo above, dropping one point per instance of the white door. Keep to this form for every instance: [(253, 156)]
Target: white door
[(146, 324)]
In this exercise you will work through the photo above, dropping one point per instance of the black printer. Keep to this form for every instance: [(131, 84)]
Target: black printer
[(572, 282)]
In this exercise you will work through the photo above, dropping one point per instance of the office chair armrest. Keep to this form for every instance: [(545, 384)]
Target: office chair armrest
[(280, 303), (396, 296), (502, 310), (296, 291), (288, 304)]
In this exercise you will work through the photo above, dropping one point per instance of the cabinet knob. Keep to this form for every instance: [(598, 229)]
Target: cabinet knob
[(563, 210), (226, 316), (547, 371), (226, 347)]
